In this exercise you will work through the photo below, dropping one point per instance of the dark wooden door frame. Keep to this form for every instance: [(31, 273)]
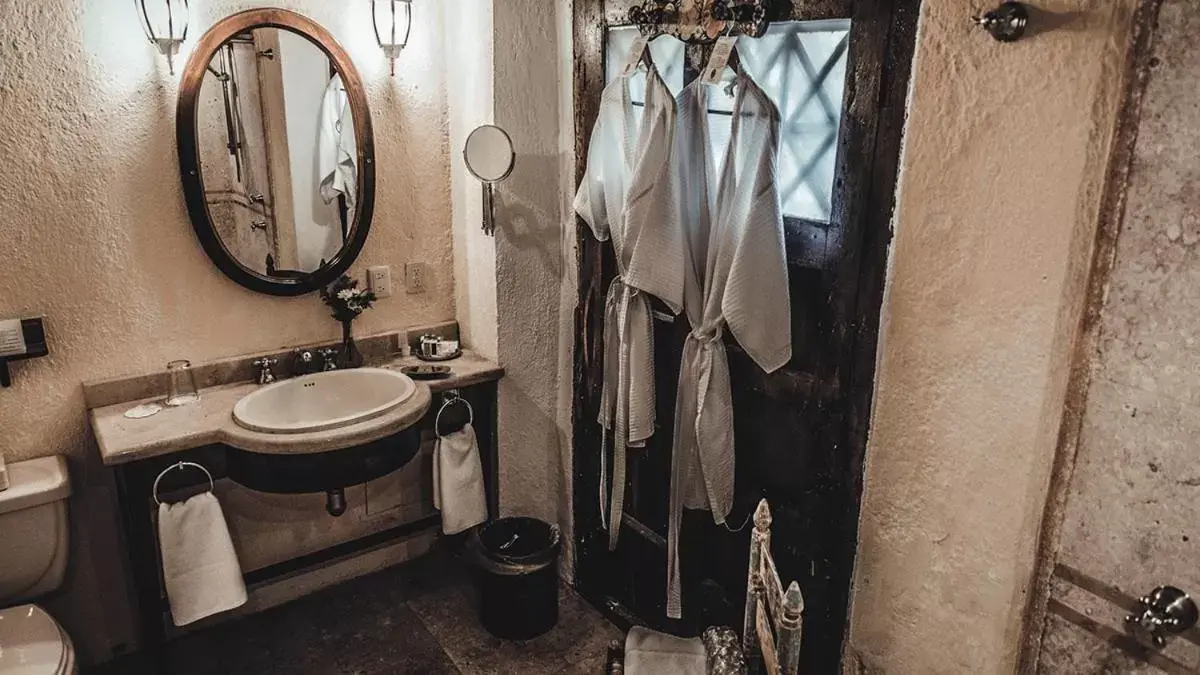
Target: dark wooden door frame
[(869, 152)]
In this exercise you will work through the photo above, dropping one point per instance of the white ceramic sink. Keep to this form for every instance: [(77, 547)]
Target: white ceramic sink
[(323, 401)]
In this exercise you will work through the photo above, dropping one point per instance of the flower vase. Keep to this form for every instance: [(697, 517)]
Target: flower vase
[(349, 357)]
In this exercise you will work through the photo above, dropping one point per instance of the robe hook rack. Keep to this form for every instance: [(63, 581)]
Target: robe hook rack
[(663, 17), (1006, 23)]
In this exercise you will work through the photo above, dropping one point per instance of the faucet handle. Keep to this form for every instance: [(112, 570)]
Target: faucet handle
[(265, 376), (328, 354)]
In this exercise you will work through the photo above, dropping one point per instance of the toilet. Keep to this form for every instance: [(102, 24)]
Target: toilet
[(33, 532)]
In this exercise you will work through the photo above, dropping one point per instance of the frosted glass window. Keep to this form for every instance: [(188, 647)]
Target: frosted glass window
[(802, 67)]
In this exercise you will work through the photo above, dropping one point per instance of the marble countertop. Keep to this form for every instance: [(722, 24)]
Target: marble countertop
[(210, 420)]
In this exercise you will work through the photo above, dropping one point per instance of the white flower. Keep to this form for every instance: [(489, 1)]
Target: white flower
[(345, 294)]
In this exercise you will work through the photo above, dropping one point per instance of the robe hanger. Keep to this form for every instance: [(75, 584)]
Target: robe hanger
[(662, 17)]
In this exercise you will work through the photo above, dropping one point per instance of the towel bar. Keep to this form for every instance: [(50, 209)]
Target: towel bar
[(181, 466)]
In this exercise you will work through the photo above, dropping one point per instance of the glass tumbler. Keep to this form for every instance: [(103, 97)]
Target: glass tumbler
[(181, 384)]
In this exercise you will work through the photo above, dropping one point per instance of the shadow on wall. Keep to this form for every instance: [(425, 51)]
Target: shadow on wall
[(527, 227), (530, 251), (1043, 21), (526, 478)]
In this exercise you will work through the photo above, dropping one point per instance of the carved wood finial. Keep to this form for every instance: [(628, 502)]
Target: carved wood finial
[(793, 600), (762, 517)]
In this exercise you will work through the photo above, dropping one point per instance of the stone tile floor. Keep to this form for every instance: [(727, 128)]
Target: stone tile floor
[(414, 618)]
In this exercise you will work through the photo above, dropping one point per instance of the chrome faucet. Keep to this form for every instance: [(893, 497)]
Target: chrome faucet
[(265, 375)]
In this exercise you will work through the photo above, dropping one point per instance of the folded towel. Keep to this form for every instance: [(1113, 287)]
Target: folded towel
[(458, 481), (649, 652), (200, 567)]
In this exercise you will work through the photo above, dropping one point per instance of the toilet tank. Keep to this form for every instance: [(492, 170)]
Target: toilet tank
[(33, 529)]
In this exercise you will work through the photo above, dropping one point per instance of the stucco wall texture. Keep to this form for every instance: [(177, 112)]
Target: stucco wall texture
[(1131, 510), (1003, 165), (96, 237), (469, 82), (535, 261)]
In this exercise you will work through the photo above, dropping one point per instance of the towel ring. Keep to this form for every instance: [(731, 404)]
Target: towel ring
[(181, 466), (450, 400)]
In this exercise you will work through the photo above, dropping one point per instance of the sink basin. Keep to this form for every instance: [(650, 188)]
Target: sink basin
[(323, 401)]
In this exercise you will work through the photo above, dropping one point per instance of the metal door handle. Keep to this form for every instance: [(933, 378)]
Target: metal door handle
[(1165, 612)]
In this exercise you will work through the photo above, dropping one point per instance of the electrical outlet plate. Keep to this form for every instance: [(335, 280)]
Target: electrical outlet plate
[(379, 280), (415, 276)]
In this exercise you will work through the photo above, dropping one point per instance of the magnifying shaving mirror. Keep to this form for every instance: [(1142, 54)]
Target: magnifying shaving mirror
[(490, 157)]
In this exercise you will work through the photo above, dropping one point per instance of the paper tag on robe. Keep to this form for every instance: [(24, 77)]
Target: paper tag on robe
[(635, 54), (12, 338), (719, 59)]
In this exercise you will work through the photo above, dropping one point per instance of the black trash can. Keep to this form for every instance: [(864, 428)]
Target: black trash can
[(516, 576)]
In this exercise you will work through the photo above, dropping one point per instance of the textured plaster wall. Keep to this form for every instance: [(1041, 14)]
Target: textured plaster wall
[(1131, 515), (469, 93), (1004, 159), (535, 258), (95, 236)]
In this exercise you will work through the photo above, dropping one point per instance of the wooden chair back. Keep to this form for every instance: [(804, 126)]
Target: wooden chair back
[(772, 623)]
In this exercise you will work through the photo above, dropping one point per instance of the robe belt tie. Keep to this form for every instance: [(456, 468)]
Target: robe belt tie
[(614, 405), (706, 338)]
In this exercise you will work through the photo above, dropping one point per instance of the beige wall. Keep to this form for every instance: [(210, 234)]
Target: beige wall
[(95, 236), (535, 259), (509, 63), (469, 92), (1004, 160)]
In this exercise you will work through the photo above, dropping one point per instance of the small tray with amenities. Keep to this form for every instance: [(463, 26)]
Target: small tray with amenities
[(436, 348), (444, 357)]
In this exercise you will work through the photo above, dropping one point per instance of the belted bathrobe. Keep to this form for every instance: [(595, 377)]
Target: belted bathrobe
[(735, 279), (627, 196)]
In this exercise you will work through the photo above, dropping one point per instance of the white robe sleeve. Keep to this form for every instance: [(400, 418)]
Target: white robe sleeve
[(655, 239), (756, 302)]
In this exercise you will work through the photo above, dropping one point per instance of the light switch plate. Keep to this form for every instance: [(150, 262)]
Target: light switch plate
[(415, 274), (379, 280)]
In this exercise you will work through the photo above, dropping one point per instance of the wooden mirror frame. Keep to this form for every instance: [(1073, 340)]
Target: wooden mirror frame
[(186, 133)]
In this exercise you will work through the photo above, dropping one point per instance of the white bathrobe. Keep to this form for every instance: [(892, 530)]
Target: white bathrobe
[(337, 154), (627, 196), (736, 278)]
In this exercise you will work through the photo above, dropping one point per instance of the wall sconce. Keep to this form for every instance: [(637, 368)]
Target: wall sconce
[(393, 21), (165, 23)]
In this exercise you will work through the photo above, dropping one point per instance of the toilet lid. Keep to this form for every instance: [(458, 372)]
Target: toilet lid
[(30, 642)]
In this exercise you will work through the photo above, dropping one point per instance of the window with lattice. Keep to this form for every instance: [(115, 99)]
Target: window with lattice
[(802, 67)]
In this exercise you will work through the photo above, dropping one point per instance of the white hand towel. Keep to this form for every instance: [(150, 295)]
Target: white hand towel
[(649, 652), (200, 567), (458, 481)]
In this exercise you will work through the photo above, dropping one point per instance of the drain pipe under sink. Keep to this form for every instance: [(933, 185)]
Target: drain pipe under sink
[(335, 502)]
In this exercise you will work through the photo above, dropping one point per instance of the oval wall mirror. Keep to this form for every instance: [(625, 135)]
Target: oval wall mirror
[(276, 152)]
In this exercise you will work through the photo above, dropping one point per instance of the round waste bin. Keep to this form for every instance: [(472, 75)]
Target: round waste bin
[(516, 575)]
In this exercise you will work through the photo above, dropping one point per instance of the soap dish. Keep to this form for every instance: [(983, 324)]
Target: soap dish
[(143, 411), (426, 372)]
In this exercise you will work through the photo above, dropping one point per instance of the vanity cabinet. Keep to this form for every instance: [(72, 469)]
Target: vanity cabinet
[(136, 470)]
